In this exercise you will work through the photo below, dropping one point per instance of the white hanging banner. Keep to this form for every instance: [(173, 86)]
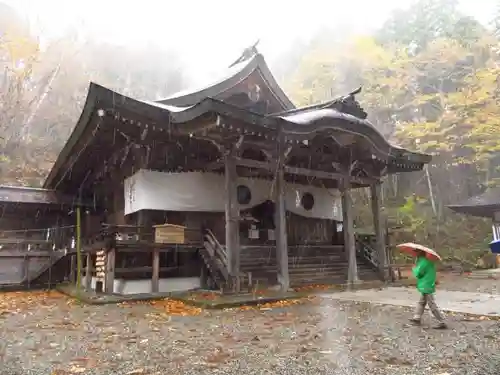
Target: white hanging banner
[(205, 192)]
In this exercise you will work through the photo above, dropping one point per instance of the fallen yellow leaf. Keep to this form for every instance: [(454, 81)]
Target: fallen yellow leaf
[(136, 372)]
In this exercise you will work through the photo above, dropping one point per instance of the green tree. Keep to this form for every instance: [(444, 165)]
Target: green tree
[(427, 20), (436, 100)]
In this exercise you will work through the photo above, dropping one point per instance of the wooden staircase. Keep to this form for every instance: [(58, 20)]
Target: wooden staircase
[(324, 265), (307, 264), (215, 258), (310, 264), (259, 262)]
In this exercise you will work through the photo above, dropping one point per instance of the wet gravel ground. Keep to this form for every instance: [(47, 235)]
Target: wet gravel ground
[(320, 336)]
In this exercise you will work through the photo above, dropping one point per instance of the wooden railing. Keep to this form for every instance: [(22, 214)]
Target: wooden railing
[(365, 247), (46, 239), (218, 262), (113, 234), (219, 251)]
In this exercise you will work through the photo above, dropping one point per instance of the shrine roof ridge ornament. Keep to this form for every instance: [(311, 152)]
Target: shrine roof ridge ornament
[(346, 104), (250, 61), (247, 54)]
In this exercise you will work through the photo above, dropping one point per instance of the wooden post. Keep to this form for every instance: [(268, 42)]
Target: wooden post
[(72, 269), (204, 277), (88, 272), (26, 269), (348, 229), (155, 280), (232, 219), (141, 223), (110, 271), (78, 248), (378, 221), (280, 220)]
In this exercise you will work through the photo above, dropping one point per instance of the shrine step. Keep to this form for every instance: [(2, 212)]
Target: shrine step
[(329, 277), (293, 251), (317, 279), (319, 257), (306, 265), (334, 272)]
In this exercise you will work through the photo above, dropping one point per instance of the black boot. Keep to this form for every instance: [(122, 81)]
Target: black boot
[(415, 321), (441, 325)]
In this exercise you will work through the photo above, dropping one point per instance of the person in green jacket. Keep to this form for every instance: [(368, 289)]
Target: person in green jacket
[(425, 273)]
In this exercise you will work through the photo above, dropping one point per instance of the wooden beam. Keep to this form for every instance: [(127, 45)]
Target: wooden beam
[(315, 174), (380, 232), (72, 268), (249, 163), (204, 277), (138, 247), (348, 229), (26, 270), (280, 219), (142, 155), (155, 278), (146, 269), (110, 271), (106, 166), (88, 273), (232, 217), (218, 164)]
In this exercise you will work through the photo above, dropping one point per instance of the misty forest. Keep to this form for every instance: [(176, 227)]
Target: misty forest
[(429, 79)]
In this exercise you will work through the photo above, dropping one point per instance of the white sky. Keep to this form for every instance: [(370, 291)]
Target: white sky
[(209, 35)]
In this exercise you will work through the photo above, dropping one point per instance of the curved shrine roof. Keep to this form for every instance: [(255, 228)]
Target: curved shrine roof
[(229, 79), (297, 125), (328, 119), (482, 205), (186, 113)]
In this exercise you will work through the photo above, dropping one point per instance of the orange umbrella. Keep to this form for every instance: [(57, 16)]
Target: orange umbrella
[(411, 249)]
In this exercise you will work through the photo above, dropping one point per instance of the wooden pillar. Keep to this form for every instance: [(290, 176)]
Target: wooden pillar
[(232, 219), (348, 229), (378, 224), (155, 280), (26, 269), (280, 220), (144, 224), (204, 277), (110, 271), (88, 272), (72, 269)]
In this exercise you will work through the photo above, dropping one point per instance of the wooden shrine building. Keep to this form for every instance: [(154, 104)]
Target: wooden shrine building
[(241, 185), (485, 205)]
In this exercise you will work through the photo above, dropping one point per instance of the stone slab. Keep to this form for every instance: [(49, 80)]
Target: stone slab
[(453, 301)]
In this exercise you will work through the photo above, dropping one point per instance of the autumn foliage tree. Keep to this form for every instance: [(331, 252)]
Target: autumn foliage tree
[(430, 83), (42, 90)]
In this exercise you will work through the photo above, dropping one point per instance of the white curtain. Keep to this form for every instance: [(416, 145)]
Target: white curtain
[(205, 192)]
